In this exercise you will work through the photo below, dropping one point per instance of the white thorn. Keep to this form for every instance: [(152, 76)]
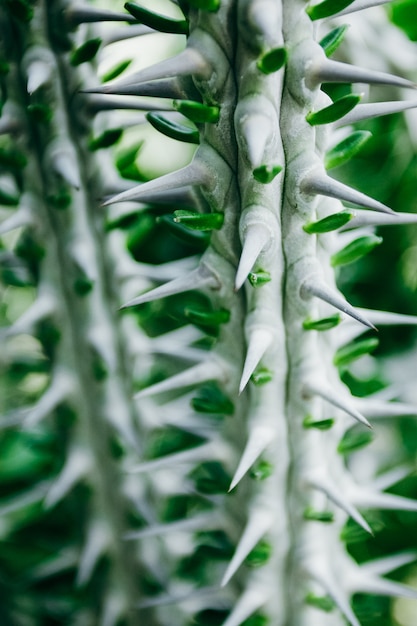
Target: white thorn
[(259, 439), (369, 110), (21, 217), (43, 307), (360, 5), (250, 601), (203, 452), (376, 409), (25, 499), (256, 238), (201, 373), (335, 398), (187, 63), (114, 609), (327, 186), (382, 586), (62, 386), (390, 478), (97, 543), (260, 340), (383, 318), (258, 524), (315, 286), (197, 279), (39, 74), (205, 521), (337, 496), (193, 174), (385, 501), (334, 71), (331, 586), (379, 567), (65, 164), (256, 131), (77, 466)]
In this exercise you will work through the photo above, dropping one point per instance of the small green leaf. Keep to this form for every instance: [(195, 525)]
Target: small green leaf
[(106, 139), (199, 221), (259, 278), (83, 285), (346, 149), (327, 8), (207, 318), (8, 199), (324, 603), (60, 200), (266, 173), (205, 5), (4, 67), (156, 21), (352, 351), (324, 424), (211, 399), (326, 517), (261, 470), (210, 478), (86, 52), (272, 60), (325, 323), (334, 111), (355, 250), (353, 440), (169, 440), (197, 112), (260, 554), (172, 129), (115, 71), (329, 223), (332, 40), (262, 376)]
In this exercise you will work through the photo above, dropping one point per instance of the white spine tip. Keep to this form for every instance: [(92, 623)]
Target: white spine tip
[(256, 238), (259, 341)]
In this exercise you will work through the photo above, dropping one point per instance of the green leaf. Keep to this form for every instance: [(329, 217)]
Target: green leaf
[(324, 424), (116, 70), (334, 111), (40, 113), (262, 376), (107, 139), (156, 21), (346, 149), (211, 399), (332, 40), (329, 223), (8, 199), (168, 440), (272, 60), (197, 112), (354, 350), (324, 603), (260, 554), (259, 278), (261, 470), (404, 14), (207, 318), (86, 52), (210, 478), (199, 221), (266, 173), (355, 250), (318, 516), (12, 158), (205, 5), (325, 323), (327, 8), (172, 129), (353, 440)]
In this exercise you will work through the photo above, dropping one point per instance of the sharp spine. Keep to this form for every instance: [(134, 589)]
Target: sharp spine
[(97, 543), (259, 439), (77, 466), (258, 524), (39, 74), (315, 286), (260, 340), (370, 110), (199, 278), (334, 71), (193, 174), (326, 186), (250, 601), (256, 131), (203, 372), (256, 238), (327, 393), (360, 5)]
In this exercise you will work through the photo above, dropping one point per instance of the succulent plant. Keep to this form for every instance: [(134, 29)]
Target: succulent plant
[(188, 459)]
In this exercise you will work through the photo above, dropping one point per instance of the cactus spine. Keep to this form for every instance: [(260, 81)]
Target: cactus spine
[(215, 494)]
